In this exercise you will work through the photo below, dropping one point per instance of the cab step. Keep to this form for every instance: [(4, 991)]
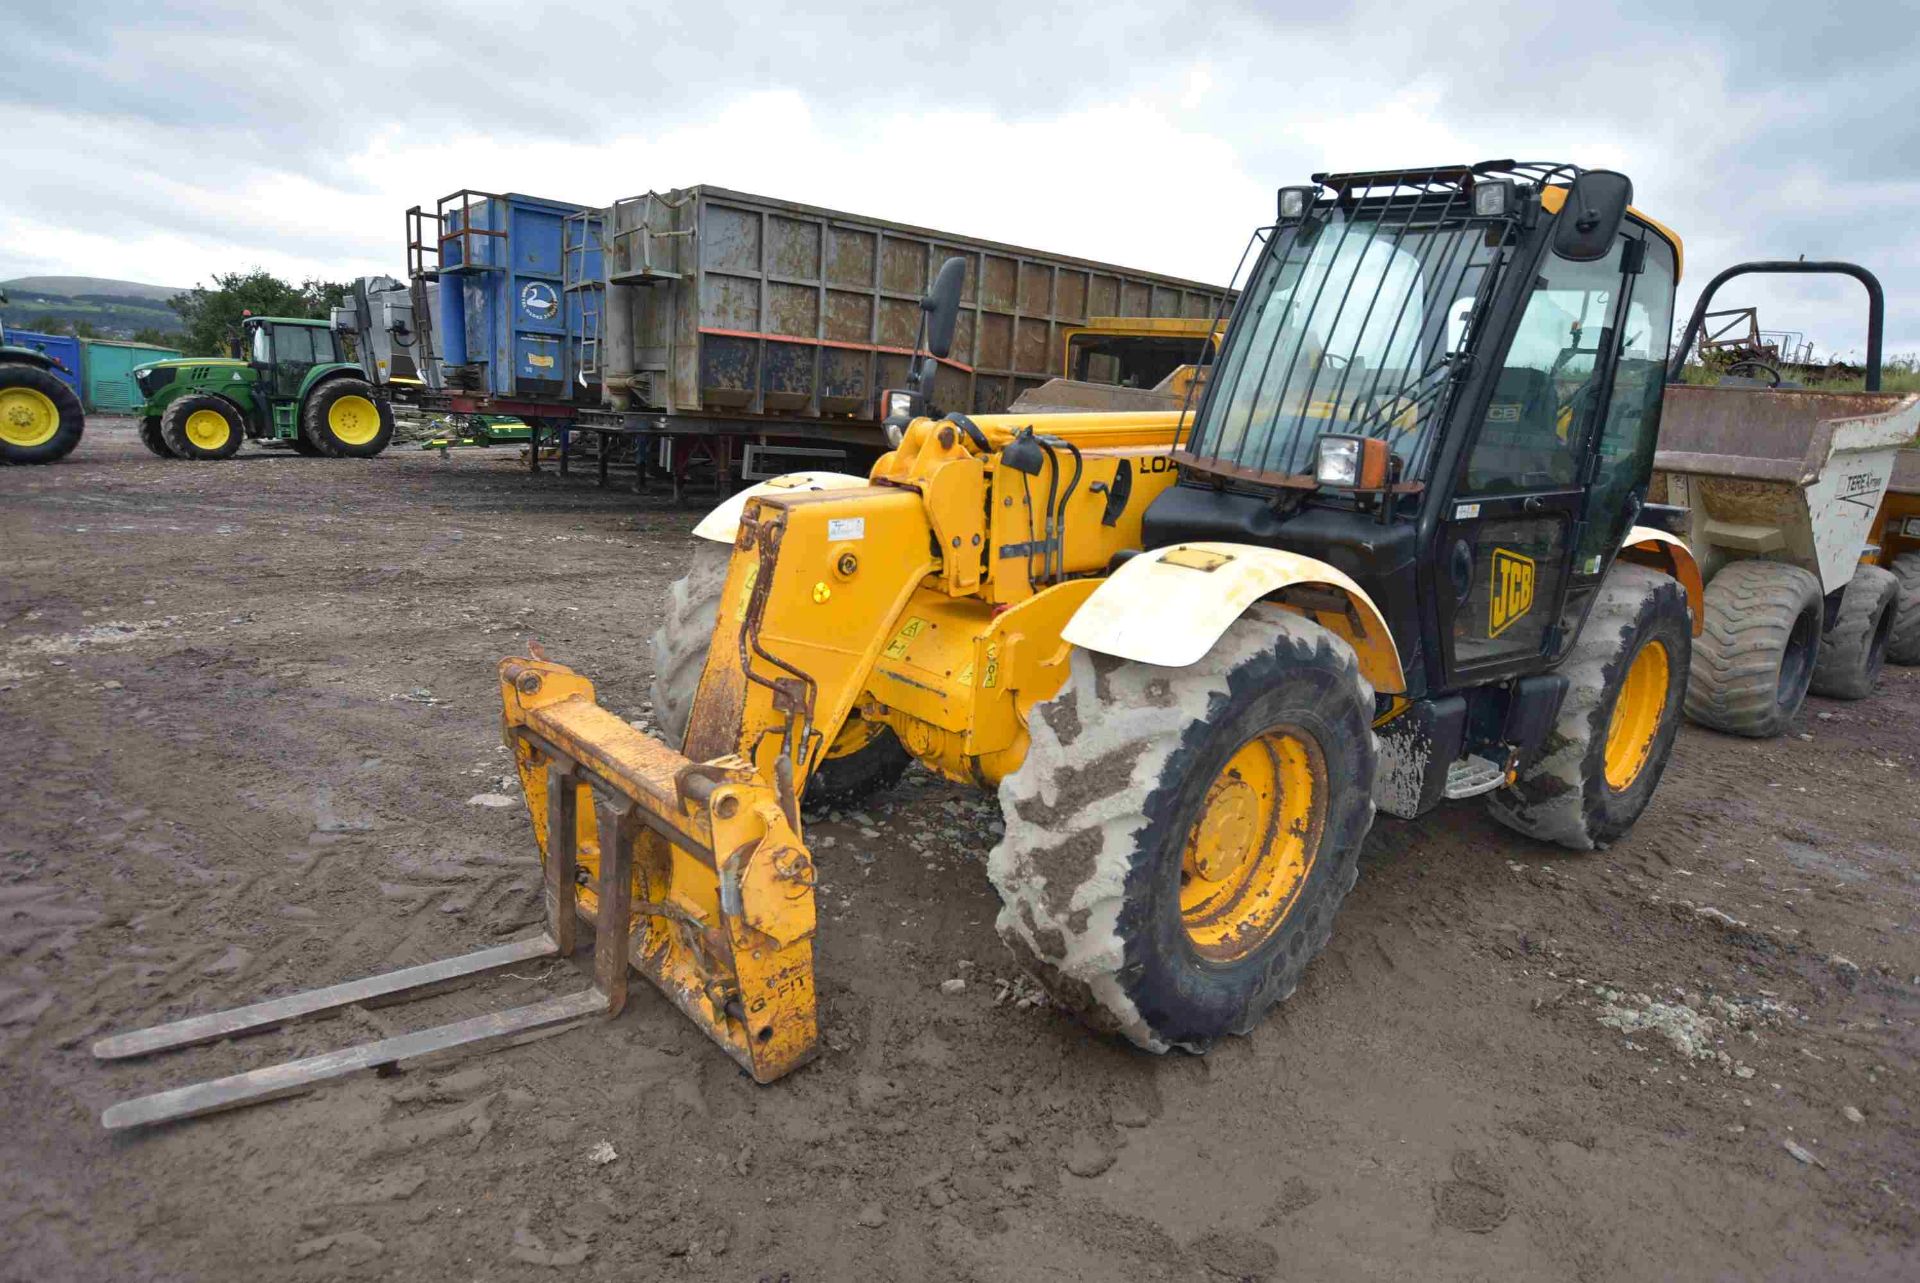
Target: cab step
[(1472, 776)]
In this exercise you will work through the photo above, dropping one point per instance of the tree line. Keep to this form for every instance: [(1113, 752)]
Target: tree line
[(210, 314)]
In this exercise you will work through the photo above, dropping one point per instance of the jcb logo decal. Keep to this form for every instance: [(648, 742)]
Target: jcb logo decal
[(1512, 595)]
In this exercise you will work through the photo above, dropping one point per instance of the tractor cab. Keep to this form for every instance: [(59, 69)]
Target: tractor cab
[(284, 351)]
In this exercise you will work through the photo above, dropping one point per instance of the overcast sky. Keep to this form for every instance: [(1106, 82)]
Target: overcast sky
[(162, 142)]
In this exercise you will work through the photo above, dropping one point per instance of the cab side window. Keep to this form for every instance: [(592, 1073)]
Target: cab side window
[(1547, 391), (1632, 429)]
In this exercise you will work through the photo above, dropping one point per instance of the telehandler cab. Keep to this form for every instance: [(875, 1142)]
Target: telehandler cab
[(1390, 558)]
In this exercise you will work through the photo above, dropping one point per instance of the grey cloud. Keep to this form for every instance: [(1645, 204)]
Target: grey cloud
[(1727, 116)]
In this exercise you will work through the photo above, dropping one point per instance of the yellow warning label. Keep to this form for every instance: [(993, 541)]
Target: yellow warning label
[(992, 675), (543, 362), (1512, 595), (897, 648), (966, 676), (746, 591)]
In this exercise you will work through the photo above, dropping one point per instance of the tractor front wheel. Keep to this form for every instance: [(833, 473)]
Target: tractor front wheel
[(343, 419), (1179, 839), (150, 436), (40, 417), (1626, 677), (201, 427)]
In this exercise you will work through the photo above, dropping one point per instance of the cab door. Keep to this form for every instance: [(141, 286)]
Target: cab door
[(1509, 530), (293, 356)]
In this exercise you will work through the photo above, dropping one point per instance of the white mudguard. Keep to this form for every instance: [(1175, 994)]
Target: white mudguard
[(723, 523), (1169, 606), (1671, 554)]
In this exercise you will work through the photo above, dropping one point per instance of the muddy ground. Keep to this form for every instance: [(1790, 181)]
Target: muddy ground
[(245, 707)]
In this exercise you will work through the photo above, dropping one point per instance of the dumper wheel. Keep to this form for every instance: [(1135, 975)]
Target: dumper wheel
[(1754, 657), (1626, 679), (41, 419), (1179, 839), (343, 419), (203, 428), (150, 436), (863, 759), (1903, 646), (1854, 649)]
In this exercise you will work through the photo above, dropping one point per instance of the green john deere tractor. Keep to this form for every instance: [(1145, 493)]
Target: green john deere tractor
[(41, 418), (294, 386)]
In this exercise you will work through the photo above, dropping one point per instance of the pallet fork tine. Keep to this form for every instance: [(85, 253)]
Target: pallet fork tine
[(606, 998)]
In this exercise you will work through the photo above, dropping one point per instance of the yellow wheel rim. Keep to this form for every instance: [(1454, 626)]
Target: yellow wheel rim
[(1253, 844), (855, 734), (208, 429), (1636, 715), (354, 420), (27, 417)]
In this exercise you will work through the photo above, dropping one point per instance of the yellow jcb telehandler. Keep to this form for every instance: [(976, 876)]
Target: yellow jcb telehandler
[(1392, 556)]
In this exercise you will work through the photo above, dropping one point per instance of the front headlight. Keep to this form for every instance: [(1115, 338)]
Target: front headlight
[(1351, 463), (1337, 462), (900, 405)]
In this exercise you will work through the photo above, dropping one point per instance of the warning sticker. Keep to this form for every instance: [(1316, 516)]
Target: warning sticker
[(846, 529), (897, 648), (746, 591)]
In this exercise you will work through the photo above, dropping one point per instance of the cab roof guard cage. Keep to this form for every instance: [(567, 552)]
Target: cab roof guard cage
[(1446, 178)]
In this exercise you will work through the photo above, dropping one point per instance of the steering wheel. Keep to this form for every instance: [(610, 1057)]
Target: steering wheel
[(1763, 370), (1335, 360)]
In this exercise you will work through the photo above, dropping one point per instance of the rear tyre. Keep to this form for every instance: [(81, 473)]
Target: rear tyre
[(1754, 657), (40, 417), (201, 427), (1179, 839), (343, 419), (302, 446), (1903, 644), (150, 436), (1855, 648), (1626, 678), (863, 760)]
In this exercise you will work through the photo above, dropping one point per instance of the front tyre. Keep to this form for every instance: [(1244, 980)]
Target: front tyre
[(150, 436), (1755, 654), (343, 419), (1626, 679), (201, 427), (1853, 651), (1903, 644), (1179, 839), (41, 419)]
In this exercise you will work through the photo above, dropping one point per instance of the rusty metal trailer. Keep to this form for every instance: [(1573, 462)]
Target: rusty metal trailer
[(749, 334)]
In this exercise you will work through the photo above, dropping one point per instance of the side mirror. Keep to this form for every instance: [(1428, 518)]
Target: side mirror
[(1590, 218), (942, 306)]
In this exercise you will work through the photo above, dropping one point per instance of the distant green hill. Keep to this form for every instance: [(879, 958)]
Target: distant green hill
[(115, 309), (75, 286)]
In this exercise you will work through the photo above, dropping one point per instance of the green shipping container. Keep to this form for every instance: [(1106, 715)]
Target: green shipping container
[(109, 367)]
